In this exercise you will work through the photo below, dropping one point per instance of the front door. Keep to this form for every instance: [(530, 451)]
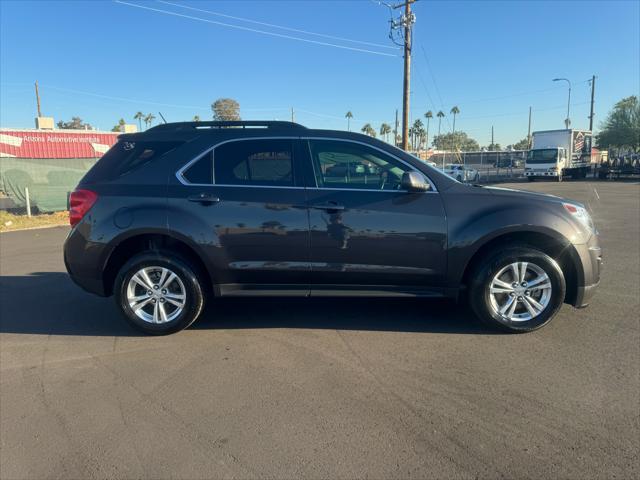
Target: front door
[(244, 201), (367, 234)]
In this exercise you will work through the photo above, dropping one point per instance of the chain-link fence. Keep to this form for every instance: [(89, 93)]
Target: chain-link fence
[(49, 181)]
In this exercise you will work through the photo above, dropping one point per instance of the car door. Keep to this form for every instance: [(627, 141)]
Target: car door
[(243, 202), (367, 234)]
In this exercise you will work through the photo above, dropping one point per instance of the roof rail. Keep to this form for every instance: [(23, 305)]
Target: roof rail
[(178, 126)]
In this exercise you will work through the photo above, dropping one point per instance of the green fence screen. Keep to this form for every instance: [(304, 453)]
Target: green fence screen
[(49, 180)]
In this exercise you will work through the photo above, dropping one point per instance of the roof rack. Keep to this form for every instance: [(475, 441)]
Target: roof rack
[(177, 126)]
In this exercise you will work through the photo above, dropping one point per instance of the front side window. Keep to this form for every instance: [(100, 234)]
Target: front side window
[(349, 165), (254, 162)]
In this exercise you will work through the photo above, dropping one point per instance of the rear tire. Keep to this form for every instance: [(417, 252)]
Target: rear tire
[(493, 287), (158, 293)]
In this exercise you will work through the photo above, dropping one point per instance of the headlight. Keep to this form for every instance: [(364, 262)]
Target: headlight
[(580, 214)]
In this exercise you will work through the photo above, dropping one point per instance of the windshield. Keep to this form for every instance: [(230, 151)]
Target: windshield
[(546, 155)]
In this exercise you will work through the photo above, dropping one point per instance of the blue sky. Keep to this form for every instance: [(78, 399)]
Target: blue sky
[(103, 60)]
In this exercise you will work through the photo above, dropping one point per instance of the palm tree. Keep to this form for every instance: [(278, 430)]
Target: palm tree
[(139, 116), (368, 130), (148, 120), (196, 118), (349, 116), (418, 132), (428, 116), (440, 116), (454, 111), (385, 130)]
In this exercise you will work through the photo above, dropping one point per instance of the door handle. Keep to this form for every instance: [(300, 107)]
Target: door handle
[(203, 198), (328, 206)]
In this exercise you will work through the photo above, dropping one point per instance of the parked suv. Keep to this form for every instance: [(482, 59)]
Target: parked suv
[(185, 212)]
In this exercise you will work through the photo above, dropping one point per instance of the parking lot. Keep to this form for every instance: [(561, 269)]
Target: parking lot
[(321, 388)]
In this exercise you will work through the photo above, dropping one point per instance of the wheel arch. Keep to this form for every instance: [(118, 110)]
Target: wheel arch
[(557, 247), (158, 241)]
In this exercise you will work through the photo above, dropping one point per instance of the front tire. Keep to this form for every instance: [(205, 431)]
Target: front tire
[(158, 293), (517, 289)]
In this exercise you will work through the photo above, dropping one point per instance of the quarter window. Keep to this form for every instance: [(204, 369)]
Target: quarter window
[(354, 166), (254, 162), (201, 171)]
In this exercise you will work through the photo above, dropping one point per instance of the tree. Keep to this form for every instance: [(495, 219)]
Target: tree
[(368, 130), (76, 123), (120, 126), (348, 116), (621, 129), (521, 145), (494, 147), (440, 116), (225, 110), (196, 118), (148, 120), (418, 133), (139, 116), (454, 111), (428, 116), (385, 130), (462, 141)]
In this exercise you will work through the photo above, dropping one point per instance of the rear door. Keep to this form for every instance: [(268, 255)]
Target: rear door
[(367, 234), (243, 203)]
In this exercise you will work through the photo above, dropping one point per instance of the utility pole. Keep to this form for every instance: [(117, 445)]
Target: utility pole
[(292, 116), (492, 144), (529, 131), (38, 100), (593, 91), (395, 131), (405, 22)]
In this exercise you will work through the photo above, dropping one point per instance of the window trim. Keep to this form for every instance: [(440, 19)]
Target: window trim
[(184, 181)]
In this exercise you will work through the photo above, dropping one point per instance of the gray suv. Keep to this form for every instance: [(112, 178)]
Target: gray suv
[(186, 212)]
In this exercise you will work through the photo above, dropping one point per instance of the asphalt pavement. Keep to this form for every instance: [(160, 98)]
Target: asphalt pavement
[(321, 388)]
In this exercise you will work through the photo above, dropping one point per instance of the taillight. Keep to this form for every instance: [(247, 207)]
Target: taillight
[(80, 202)]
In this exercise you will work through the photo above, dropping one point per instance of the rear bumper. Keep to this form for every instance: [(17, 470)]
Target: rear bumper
[(80, 259)]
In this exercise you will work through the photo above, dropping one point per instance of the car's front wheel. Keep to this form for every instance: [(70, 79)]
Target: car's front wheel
[(517, 289), (158, 293)]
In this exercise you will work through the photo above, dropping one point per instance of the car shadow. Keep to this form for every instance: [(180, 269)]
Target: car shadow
[(48, 303)]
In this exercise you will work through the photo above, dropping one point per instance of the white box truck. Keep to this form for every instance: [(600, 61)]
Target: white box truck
[(558, 153)]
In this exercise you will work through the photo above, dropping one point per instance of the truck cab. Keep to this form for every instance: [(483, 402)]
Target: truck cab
[(545, 162)]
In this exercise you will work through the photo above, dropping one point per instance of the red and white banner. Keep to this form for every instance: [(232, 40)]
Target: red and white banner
[(55, 144)]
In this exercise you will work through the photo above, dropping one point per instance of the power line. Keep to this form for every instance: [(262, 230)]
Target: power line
[(297, 30), (263, 32)]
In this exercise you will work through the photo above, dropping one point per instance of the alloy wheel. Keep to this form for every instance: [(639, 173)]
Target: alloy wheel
[(156, 294), (520, 291)]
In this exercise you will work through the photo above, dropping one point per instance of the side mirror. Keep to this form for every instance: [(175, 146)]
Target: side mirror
[(414, 182)]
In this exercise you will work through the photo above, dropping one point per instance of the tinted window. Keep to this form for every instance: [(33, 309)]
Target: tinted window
[(126, 156), (201, 171), (350, 165), (254, 162)]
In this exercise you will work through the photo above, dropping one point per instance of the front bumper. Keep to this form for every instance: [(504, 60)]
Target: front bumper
[(590, 257), (540, 173)]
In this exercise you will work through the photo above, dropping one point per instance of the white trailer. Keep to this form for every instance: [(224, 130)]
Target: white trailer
[(558, 153)]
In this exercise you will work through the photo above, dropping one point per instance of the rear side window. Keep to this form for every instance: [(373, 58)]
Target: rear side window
[(254, 162), (126, 156)]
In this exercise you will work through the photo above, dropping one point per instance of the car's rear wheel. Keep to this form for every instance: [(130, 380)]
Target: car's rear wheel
[(158, 293), (517, 289)]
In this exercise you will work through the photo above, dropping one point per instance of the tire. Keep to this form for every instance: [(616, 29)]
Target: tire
[(459, 178), (476, 179), (184, 300), (486, 305)]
